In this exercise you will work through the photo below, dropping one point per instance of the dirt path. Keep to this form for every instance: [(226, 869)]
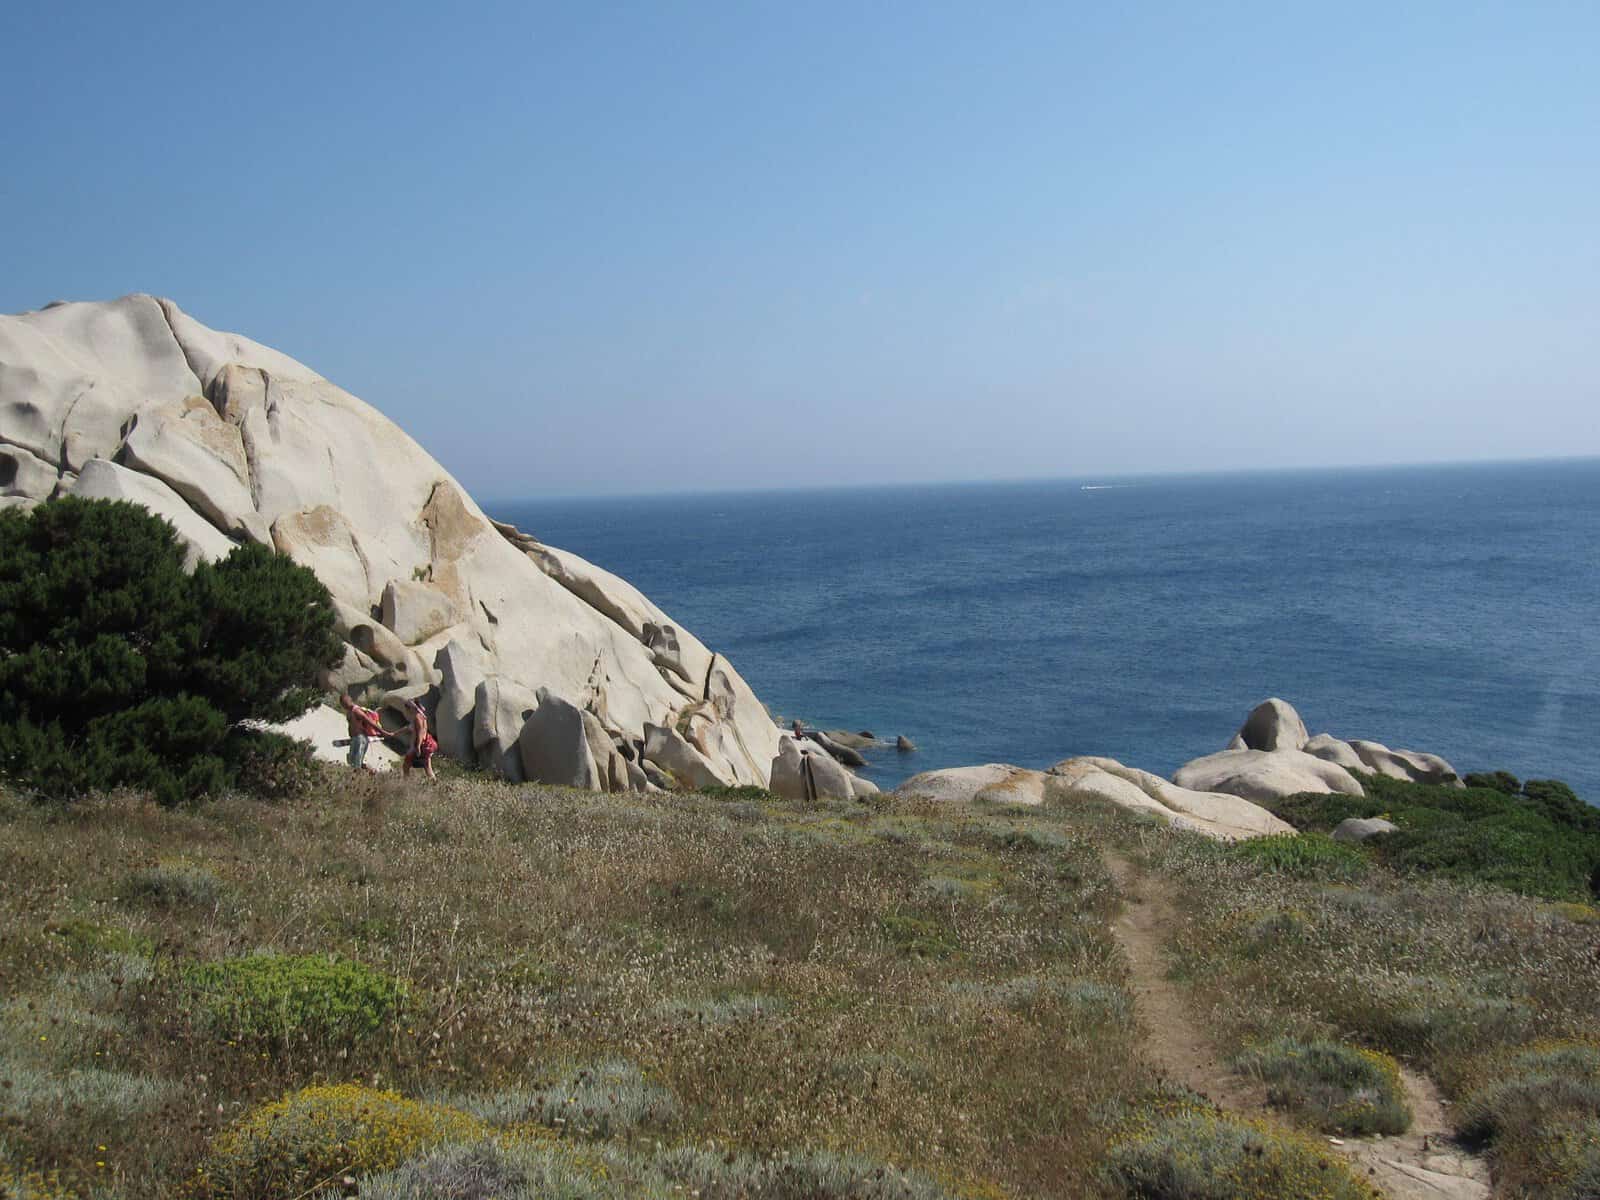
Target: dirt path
[(1420, 1164)]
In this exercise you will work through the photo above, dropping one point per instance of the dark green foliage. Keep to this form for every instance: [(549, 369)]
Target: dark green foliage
[(1500, 781), (118, 669), (758, 795), (1544, 841), (283, 999), (271, 765)]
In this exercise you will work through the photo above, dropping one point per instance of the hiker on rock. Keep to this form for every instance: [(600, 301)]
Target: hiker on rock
[(364, 725)]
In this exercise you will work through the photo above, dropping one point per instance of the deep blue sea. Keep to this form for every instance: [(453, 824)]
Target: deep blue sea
[(1450, 609)]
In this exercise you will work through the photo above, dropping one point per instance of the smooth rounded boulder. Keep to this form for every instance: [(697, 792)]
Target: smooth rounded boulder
[(1263, 776)]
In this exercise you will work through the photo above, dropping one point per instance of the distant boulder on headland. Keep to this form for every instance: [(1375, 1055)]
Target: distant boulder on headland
[(1272, 756)]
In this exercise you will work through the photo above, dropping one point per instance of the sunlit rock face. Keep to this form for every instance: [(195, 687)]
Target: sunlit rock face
[(231, 441)]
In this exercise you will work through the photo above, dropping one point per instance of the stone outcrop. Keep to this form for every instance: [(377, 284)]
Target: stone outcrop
[(804, 771), (1265, 775), (1359, 829), (1219, 814), (232, 441), (1272, 756), (1072, 780)]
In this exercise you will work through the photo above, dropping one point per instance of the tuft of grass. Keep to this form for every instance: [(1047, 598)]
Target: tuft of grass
[(1538, 1111), (1184, 1151), (172, 886), (279, 999), (1304, 856), (916, 936), (1330, 1086), (602, 1101)]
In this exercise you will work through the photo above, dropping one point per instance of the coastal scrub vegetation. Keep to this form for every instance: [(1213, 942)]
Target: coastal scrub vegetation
[(1310, 979), (1536, 838), (387, 989), (119, 669)]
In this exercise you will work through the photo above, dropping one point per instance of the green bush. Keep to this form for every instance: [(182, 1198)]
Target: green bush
[(118, 669), (320, 1133), (272, 766), (1303, 856), (1333, 1087), (1500, 781), (1541, 841), (280, 999)]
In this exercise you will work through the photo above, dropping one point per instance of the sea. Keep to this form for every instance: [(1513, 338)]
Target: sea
[(1453, 609)]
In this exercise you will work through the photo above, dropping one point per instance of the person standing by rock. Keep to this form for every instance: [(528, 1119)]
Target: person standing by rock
[(422, 742), (364, 725)]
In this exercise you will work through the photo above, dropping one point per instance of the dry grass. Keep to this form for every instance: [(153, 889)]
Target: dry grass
[(1453, 978), (938, 992)]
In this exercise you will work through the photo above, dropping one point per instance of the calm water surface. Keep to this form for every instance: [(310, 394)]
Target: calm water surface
[(1450, 609)]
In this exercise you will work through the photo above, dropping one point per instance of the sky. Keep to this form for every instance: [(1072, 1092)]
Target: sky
[(624, 248)]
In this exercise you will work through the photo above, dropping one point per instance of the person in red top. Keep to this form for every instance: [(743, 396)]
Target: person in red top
[(423, 743), (364, 725)]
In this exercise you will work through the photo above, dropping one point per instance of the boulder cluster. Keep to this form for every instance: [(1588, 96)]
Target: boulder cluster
[(1221, 795), (534, 663)]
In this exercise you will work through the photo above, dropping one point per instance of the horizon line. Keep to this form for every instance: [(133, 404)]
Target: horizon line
[(1102, 479)]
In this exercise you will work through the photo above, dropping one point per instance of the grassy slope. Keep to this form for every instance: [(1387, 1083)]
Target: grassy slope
[(1452, 977), (939, 994), (935, 991)]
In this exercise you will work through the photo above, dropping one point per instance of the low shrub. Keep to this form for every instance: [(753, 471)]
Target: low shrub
[(744, 792), (1333, 1087), (484, 1170), (1538, 1110), (812, 1175), (1500, 781), (1198, 1154), (272, 766), (1528, 1087), (86, 937), (1541, 840), (724, 1010), (279, 999), (601, 1101), (172, 886), (917, 936), (319, 1134), (1303, 856)]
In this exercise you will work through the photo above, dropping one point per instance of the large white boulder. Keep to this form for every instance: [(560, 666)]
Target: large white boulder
[(1272, 725), (555, 747), (1272, 756), (103, 480), (226, 438), (802, 770), (993, 783), (1265, 775), (1216, 814)]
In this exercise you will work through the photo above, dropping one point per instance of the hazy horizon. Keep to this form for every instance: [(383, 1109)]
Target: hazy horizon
[(630, 250), (1108, 479)]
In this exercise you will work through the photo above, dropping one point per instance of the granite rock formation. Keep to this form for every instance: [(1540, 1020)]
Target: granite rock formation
[(231, 442)]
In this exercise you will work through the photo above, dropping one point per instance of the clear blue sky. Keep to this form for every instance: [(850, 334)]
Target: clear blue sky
[(662, 246)]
